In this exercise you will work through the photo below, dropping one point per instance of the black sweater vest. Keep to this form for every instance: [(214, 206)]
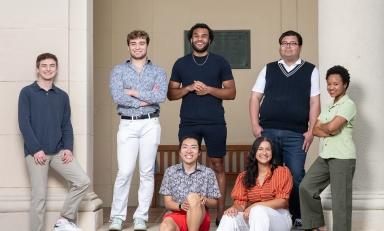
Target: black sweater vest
[(286, 97)]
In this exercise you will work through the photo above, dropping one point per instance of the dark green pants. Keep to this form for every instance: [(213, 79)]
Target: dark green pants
[(339, 174)]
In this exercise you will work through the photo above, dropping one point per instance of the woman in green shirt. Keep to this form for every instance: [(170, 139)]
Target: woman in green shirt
[(336, 163)]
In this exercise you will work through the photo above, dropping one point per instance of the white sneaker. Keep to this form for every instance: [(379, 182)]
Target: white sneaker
[(139, 224), (64, 225), (116, 224)]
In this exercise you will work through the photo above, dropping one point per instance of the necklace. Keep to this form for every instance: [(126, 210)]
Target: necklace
[(200, 64)]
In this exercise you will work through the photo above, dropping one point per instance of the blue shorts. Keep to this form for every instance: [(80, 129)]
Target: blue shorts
[(215, 137)]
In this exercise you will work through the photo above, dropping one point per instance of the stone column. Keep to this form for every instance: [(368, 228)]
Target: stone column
[(351, 34), (28, 28)]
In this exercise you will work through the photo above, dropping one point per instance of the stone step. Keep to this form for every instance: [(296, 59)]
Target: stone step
[(151, 227)]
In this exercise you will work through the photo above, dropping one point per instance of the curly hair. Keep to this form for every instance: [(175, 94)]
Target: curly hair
[(339, 70), (138, 34), (252, 171), (201, 25)]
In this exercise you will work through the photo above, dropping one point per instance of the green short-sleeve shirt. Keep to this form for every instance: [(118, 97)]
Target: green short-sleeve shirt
[(341, 145)]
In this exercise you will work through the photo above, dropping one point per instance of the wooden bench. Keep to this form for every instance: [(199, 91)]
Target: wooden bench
[(168, 155)]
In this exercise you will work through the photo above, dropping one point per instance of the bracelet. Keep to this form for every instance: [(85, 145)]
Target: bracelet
[(180, 204)]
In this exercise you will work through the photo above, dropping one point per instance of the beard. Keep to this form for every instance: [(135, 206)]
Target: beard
[(200, 50)]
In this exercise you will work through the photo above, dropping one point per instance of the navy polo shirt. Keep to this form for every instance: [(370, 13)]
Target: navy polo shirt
[(44, 120)]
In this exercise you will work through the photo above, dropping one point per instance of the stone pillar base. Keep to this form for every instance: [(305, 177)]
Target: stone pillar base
[(362, 220), (15, 204), (367, 213), (90, 216)]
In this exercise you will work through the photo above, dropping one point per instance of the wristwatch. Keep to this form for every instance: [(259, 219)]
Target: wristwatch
[(180, 204)]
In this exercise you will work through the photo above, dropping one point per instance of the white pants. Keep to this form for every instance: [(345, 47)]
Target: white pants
[(261, 218), (135, 138)]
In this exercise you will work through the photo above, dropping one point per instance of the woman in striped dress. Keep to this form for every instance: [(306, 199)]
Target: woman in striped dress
[(260, 195)]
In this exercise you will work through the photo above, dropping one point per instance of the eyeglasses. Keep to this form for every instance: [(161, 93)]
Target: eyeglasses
[(290, 44)]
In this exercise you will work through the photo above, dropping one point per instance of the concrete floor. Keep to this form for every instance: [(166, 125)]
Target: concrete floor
[(155, 218)]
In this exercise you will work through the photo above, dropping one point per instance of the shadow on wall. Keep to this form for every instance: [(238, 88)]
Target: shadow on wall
[(362, 137)]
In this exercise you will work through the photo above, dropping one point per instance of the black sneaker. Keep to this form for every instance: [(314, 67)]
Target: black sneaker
[(298, 224)]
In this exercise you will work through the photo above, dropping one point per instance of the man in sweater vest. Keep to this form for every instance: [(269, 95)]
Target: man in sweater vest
[(284, 106)]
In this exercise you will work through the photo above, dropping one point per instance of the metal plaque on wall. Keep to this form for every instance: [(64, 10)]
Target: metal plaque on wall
[(234, 45)]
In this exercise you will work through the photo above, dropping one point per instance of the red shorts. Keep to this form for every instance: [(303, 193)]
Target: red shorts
[(180, 218)]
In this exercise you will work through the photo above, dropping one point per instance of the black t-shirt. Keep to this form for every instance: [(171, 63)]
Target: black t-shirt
[(212, 71)]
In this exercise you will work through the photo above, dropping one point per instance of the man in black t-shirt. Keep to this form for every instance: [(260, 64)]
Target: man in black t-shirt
[(203, 80)]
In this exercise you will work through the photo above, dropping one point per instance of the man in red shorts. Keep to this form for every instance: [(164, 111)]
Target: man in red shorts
[(189, 188)]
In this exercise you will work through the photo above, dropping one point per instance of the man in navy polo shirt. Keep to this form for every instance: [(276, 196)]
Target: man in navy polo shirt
[(203, 80), (45, 123), (290, 95)]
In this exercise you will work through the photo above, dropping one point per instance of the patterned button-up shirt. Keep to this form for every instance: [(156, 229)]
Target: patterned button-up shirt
[(151, 84), (178, 184)]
